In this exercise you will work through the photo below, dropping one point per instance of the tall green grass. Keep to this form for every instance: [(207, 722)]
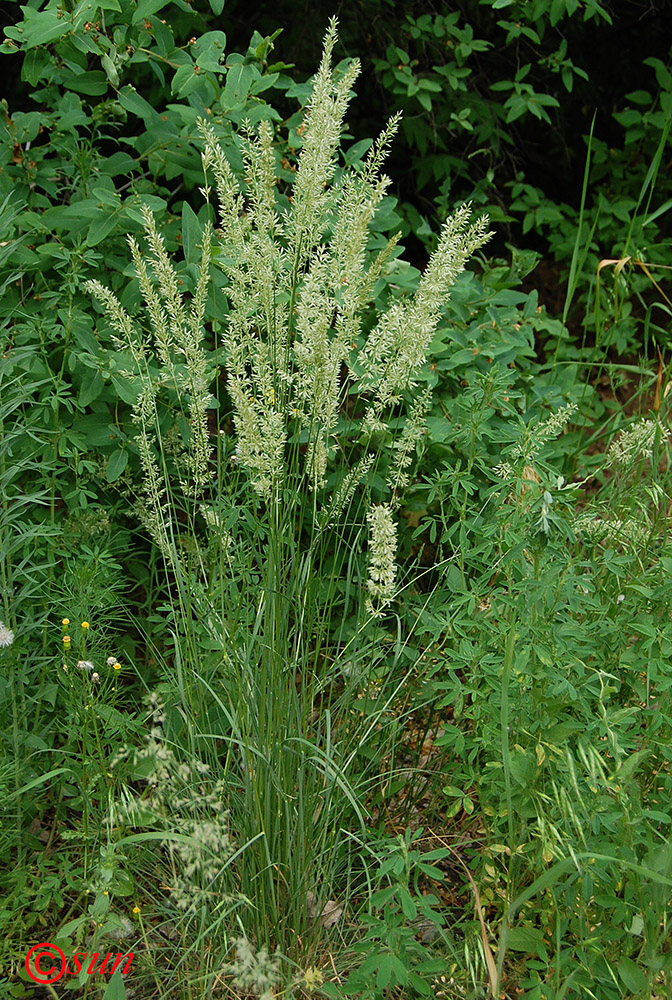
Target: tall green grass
[(273, 595)]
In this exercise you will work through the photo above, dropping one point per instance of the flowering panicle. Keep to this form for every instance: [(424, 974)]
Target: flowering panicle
[(323, 124), (177, 340), (412, 433), (629, 518), (398, 345), (180, 798), (296, 302), (254, 971), (617, 531), (536, 437), (346, 488), (300, 279), (634, 444), (382, 556)]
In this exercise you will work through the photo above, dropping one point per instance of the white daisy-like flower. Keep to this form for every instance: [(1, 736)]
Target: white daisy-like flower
[(6, 636), (95, 677), (85, 664), (111, 660)]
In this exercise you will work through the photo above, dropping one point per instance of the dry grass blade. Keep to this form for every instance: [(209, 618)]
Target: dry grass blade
[(487, 950)]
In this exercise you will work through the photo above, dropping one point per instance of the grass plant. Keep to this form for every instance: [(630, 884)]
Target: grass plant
[(281, 592)]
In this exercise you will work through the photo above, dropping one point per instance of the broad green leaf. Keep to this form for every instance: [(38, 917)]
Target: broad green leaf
[(33, 65), (146, 8), (424, 99), (131, 100), (110, 69), (101, 228), (118, 163), (191, 233), (134, 211), (209, 50), (92, 386), (238, 82), (27, 125), (116, 464), (217, 6), (407, 904), (94, 83), (185, 80), (126, 390), (384, 971), (115, 988), (527, 939), (420, 985), (557, 11), (438, 428), (633, 977), (523, 767), (43, 28)]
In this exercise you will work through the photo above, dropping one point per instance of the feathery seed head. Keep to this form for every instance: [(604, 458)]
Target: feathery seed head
[(382, 556), (6, 636)]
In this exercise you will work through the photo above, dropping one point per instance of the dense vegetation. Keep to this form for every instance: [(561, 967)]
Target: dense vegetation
[(334, 556)]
